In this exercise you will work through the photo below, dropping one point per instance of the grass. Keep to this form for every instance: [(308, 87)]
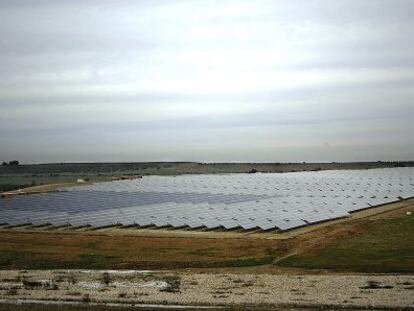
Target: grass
[(7, 257), (247, 262), (18, 259), (386, 245), (51, 250)]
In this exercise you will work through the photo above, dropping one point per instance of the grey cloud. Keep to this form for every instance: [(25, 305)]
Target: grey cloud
[(206, 80)]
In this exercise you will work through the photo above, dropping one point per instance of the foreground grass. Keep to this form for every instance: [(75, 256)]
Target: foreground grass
[(36, 250), (385, 245)]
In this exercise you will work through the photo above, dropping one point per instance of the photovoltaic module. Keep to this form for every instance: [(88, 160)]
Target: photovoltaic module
[(263, 200)]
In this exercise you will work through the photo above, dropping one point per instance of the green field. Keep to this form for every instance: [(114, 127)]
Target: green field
[(384, 246)]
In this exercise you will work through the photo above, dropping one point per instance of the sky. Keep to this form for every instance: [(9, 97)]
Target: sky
[(208, 81)]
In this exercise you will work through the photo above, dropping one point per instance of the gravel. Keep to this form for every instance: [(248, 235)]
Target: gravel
[(332, 290)]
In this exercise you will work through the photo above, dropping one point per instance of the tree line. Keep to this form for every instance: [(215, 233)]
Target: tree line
[(11, 163)]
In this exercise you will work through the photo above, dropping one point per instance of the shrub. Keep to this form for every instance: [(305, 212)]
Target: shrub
[(86, 298), (106, 279)]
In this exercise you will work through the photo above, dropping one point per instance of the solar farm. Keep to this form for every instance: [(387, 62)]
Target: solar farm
[(265, 201)]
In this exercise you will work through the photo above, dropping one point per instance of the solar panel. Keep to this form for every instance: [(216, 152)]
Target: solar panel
[(249, 201)]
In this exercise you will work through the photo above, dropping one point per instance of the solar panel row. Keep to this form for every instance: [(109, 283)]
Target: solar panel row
[(264, 201)]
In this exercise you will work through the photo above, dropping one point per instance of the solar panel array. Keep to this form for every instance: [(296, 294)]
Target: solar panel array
[(265, 201)]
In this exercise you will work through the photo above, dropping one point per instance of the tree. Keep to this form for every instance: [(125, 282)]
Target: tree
[(14, 163), (4, 163)]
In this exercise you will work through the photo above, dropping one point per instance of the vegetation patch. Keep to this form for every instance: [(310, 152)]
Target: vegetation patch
[(385, 245), (7, 257), (173, 284), (96, 260), (375, 285), (247, 262), (54, 250)]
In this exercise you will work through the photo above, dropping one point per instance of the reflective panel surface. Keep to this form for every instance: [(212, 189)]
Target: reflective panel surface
[(265, 201)]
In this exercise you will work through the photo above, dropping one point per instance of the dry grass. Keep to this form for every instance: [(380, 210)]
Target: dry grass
[(21, 250)]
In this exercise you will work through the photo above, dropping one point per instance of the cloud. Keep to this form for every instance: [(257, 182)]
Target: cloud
[(212, 77)]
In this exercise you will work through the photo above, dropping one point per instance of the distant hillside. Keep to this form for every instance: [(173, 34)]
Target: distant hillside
[(168, 168)]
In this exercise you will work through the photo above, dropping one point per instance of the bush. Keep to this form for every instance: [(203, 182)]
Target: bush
[(106, 279), (86, 298)]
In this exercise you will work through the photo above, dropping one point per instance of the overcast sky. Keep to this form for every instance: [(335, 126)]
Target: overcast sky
[(206, 80)]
